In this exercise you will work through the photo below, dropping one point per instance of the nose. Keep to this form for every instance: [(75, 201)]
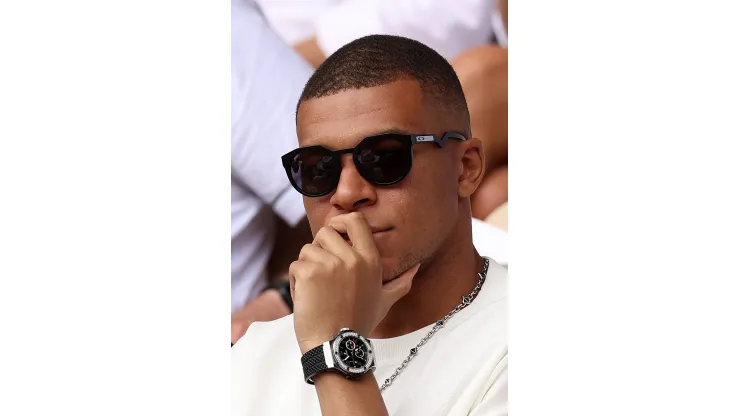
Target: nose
[(353, 191)]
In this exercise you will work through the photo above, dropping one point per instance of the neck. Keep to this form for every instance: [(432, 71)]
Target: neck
[(439, 285)]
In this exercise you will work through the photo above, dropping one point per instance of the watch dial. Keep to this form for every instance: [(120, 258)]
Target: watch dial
[(353, 353)]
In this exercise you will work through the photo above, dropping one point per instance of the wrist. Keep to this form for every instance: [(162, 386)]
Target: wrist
[(308, 345), (316, 339)]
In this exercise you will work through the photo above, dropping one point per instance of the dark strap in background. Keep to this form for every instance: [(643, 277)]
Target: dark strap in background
[(494, 39), (283, 287)]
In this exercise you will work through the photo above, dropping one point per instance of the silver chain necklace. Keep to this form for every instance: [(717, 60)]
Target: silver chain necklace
[(466, 300)]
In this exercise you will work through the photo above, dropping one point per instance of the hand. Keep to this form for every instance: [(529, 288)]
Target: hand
[(336, 284), (266, 307)]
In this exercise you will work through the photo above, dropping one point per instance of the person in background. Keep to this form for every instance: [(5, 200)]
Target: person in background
[(317, 28), (484, 75), (268, 225), (503, 6)]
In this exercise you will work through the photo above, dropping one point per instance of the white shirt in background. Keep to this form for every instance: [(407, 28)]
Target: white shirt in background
[(267, 78), (461, 371), (491, 241), (294, 20), (449, 27)]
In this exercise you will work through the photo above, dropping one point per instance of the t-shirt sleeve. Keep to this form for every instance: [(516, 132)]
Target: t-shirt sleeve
[(267, 78), (449, 27), (495, 401)]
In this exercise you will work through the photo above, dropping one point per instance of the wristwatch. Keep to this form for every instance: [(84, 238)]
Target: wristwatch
[(347, 353)]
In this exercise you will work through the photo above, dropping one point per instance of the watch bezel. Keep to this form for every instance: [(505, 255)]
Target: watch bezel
[(340, 365)]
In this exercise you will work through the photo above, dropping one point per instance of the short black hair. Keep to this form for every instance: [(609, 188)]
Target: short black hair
[(376, 60)]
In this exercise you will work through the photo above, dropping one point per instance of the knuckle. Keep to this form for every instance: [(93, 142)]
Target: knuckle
[(304, 251), (301, 270), (322, 232), (335, 264), (333, 224), (354, 262), (294, 269), (309, 272)]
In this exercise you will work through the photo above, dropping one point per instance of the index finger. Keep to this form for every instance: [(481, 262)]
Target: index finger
[(358, 230)]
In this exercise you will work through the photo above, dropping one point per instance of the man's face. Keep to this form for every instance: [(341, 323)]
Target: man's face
[(410, 219)]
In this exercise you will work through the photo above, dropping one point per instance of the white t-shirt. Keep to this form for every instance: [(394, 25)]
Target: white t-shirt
[(267, 78), (449, 27), (462, 370)]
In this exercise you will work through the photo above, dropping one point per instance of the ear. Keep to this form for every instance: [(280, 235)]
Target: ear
[(471, 166)]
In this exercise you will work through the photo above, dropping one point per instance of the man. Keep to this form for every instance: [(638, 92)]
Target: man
[(392, 258), (268, 230), (267, 77)]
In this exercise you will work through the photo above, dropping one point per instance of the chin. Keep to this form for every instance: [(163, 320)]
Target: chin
[(390, 268), (393, 267)]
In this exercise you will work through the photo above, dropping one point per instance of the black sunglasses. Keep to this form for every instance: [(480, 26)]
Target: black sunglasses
[(384, 159)]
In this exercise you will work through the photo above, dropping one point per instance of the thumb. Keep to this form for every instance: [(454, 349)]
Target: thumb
[(398, 287)]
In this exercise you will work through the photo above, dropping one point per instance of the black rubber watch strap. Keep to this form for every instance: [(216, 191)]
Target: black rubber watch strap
[(313, 363)]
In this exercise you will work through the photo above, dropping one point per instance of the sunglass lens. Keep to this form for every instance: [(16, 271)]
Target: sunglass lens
[(384, 160), (315, 171)]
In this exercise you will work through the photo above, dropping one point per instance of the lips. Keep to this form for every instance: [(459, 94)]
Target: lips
[(374, 230)]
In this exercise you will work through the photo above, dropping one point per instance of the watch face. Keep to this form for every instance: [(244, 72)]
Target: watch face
[(352, 353)]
